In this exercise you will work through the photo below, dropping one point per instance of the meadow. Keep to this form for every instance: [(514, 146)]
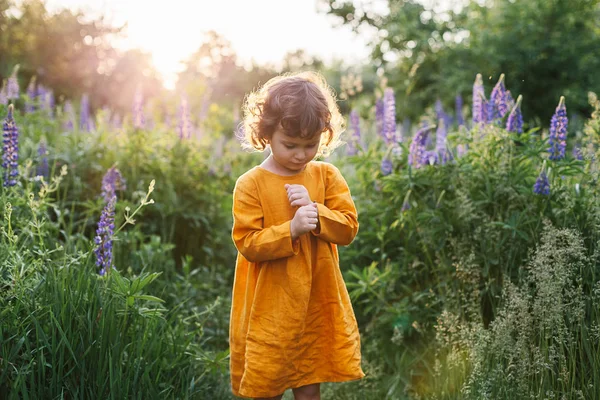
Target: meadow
[(475, 273)]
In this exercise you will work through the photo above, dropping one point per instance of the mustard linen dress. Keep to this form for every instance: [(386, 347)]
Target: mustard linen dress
[(292, 323)]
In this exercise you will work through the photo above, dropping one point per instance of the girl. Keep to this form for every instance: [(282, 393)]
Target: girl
[(292, 323)]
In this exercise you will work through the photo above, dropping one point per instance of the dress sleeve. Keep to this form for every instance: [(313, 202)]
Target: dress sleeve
[(255, 242), (338, 219)]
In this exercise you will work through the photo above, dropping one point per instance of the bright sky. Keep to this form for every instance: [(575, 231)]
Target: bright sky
[(262, 30)]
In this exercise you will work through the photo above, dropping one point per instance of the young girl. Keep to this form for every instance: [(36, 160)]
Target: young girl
[(292, 323)]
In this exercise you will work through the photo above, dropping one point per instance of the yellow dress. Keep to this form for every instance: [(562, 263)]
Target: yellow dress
[(292, 323)]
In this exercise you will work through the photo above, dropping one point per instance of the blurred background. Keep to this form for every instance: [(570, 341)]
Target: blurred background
[(472, 153), (425, 49)]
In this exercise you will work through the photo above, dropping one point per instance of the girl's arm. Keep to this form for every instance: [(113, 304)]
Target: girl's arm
[(338, 220), (251, 239)]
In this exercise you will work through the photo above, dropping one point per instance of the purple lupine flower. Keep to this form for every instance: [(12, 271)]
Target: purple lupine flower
[(479, 102), (138, 109), (48, 103), (3, 95), (103, 239), (461, 150), (389, 116), (42, 168), (31, 94), (441, 114), (418, 155), (111, 182), (458, 103), (185, 123), (440, 142), (10, 149), (405, 206), (69, 116), (514, 123), (379, 116), (510, 102), (85, 122), (386, 166), (577, 153), (497, 107), (12, 86), (430, 157), (542, 184), (355, 129), (40, 95), (558, 131)]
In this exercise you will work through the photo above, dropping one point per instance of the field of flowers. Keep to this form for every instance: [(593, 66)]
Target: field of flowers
[(475, 273)]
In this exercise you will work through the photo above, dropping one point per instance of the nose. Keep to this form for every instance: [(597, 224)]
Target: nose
[(301, 156)]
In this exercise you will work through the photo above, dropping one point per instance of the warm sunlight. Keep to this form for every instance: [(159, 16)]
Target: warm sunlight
[(261, 30)]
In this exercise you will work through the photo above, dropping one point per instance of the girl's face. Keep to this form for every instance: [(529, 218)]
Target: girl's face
[(291, 153)]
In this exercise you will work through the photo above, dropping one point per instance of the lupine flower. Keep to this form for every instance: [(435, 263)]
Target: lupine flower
[(558, 131), (42, 168), (138, 109), (379, 116), (510, 102), (103, 239), (497, 107), (12, 87), (479, 102), (111, 182), (389, 116), (69, 116), (429, 140), (441, 114), (431, 157), (40, 91), (3, 95), (355, 129), (84, 114), (577, 153), (461, 150), (460, 120), (185, 123), (10, 149), (47, 102), (386, 166), (542, 184), (418, 155), (440, 142), (514, 123), (31, 94), (405, 206)]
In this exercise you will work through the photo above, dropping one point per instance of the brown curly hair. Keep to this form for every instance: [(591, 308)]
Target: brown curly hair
[(300, 104)]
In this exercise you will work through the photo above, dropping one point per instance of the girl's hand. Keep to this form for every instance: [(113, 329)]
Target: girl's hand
[(297, 195), (305, 220)]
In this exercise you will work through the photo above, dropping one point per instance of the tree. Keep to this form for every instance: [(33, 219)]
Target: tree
[(544, 47), (72, 54)]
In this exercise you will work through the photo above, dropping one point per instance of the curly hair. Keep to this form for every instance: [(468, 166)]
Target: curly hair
[(300, 104)]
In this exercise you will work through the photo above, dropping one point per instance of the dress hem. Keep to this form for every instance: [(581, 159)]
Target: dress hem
[(302, 383)]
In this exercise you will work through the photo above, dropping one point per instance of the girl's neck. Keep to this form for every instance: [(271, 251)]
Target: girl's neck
[(273, 166)]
